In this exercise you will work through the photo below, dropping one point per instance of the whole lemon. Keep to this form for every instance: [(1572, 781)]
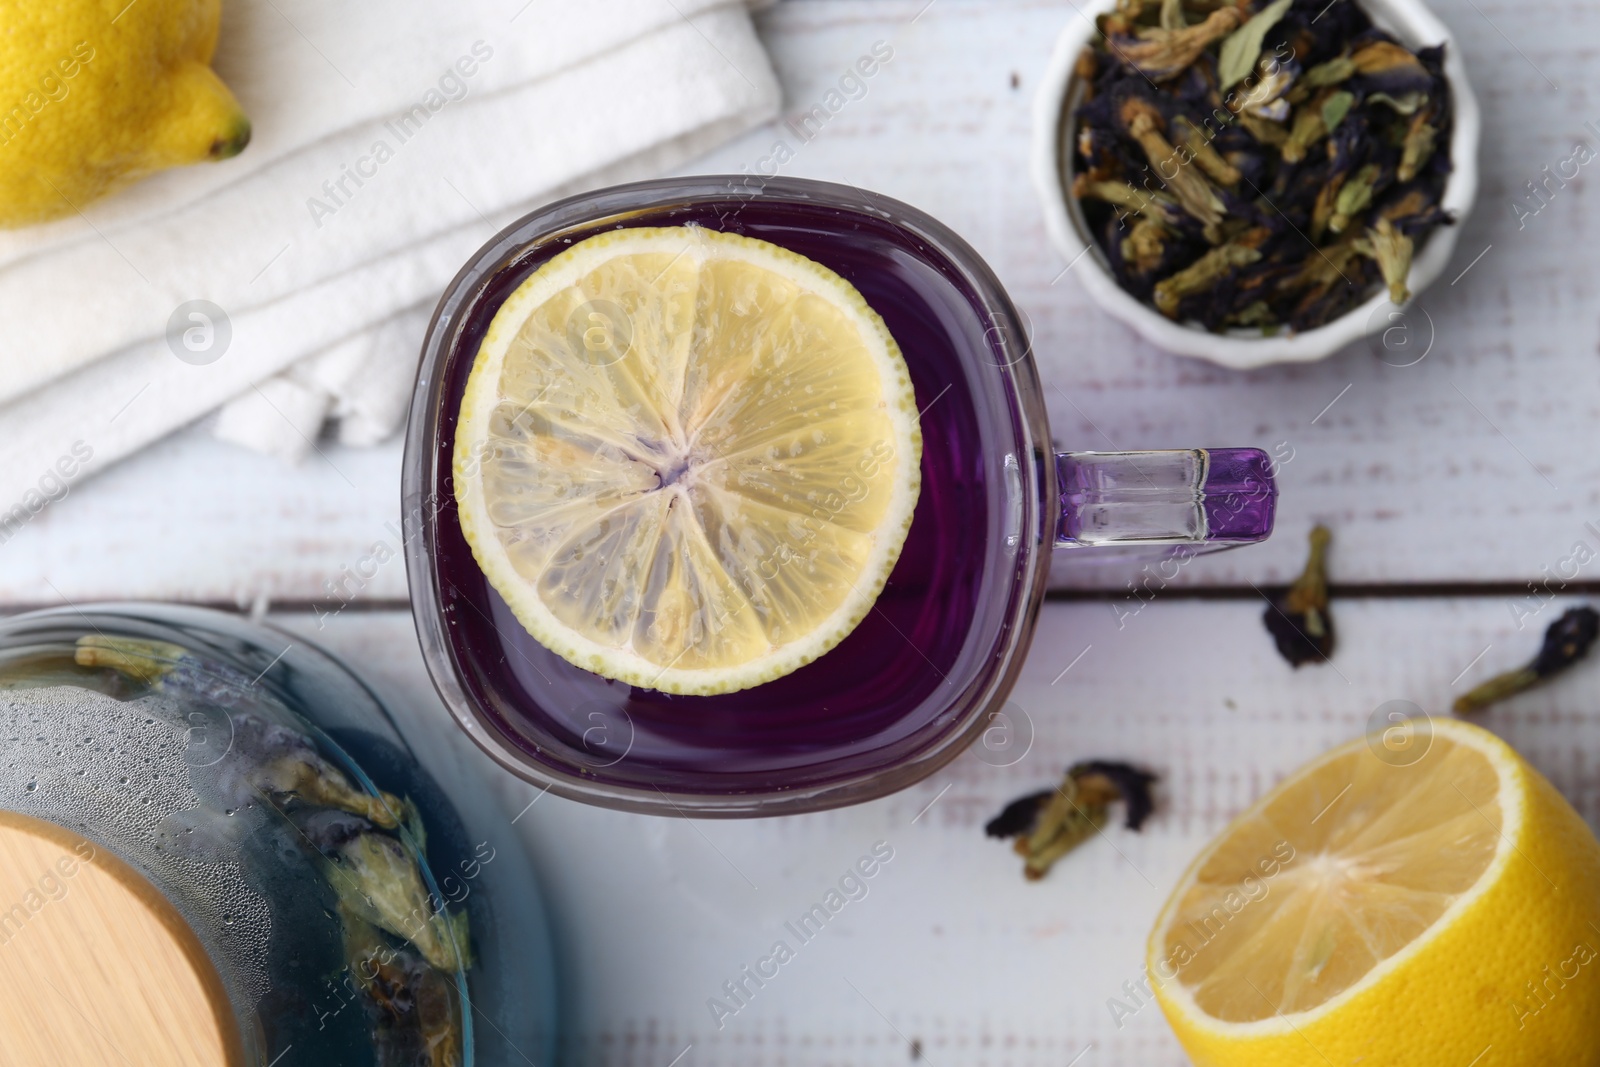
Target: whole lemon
[(98, 93)]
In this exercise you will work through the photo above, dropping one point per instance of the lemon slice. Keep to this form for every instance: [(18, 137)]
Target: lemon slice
[(688, 460), (1391, 905)]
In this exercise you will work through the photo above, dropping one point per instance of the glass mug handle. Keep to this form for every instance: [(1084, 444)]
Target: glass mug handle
[(1208, 498)]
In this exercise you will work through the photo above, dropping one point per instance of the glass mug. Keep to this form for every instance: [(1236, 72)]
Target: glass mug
[(923, 674)]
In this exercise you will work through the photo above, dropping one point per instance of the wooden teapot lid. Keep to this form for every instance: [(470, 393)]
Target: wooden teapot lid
[(96, 967)]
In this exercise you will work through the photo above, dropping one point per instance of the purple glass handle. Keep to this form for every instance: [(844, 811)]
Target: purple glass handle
[(1216, 497)]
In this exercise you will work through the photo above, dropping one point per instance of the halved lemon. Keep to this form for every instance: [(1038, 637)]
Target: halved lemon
[(687, 459), (1381, 909)]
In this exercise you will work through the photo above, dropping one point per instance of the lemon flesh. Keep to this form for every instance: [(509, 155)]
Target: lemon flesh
[(96, 94), (686, 459), (1381, 911)]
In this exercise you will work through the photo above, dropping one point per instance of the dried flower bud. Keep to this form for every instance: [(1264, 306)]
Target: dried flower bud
[(1264, 130), (1197, 195), (1299, 620), (1145, 247), (1161, 54), (1566, 642), (1307, 130), (1136, 201), (1420, 138), (1387, 67), (1194, 140), (1051, 823), (1392, 251), (1355, 197), (1202, 275)]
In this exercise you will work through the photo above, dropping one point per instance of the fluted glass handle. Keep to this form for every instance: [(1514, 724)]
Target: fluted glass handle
[(1216, 498)]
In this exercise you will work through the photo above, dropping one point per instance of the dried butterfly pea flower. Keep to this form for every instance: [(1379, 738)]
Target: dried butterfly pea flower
[(1421, 136), (283, 765), (1105, 781), (1383, 66), (1160, 54), (378, 881), (1019, 816), (1355, 196), (1189, 185), (1152, 204), (1051, 823), (1299, 620), (1335, 107), (1259, 313), (1345, 272), (1146, 247), (1204, 273), (1309, 127), (1407, 104), (412, 1008), (1198, 145), (1392, 251), (1265, 130), (1566, 642), (1318, 31)]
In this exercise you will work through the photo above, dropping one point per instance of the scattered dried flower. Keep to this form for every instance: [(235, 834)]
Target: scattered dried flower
[(1566, 642), (1049, 824), (1299, 620)]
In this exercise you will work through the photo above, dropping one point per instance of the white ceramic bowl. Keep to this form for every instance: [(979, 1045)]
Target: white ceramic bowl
[(1408, 20)]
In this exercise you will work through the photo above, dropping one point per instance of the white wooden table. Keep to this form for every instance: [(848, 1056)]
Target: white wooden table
[(1449, 485)]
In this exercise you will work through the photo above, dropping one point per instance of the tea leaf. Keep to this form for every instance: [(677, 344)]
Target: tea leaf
[(1243, 47), (1335, 108), (1332, 72)]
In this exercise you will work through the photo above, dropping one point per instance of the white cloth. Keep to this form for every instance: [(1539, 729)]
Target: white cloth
[(390, 142)]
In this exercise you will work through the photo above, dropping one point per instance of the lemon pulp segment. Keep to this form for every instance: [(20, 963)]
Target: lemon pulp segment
[(1391, 851)]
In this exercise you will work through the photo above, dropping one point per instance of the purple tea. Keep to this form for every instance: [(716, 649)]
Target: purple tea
[(886, 682)]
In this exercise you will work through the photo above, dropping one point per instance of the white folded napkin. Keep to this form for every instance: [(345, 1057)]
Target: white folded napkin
[(390, 142)]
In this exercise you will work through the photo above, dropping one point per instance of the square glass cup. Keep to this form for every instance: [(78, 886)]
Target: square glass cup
[(927, 672)]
